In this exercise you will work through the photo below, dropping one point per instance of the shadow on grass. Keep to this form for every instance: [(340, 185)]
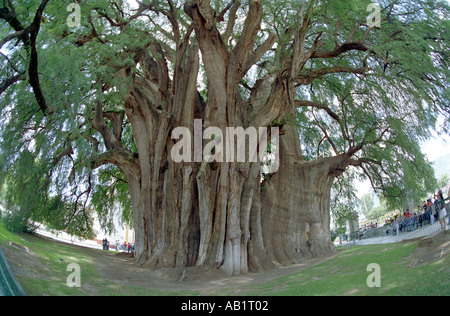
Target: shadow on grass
[(42, 272)]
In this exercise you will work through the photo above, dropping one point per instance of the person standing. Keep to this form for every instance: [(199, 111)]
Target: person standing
[(440, 207), (448, 206)]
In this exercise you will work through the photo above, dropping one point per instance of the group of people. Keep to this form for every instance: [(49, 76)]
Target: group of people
[(429, 212), (370, 226), (105, 244), (125, 247)]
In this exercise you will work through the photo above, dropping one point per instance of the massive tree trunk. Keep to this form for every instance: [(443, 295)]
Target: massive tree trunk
[(223, 216), (296, 213), (195, 212), (216, 214)]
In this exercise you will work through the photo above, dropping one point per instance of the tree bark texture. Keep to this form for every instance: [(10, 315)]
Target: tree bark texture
[(222, 216), (226, 214)]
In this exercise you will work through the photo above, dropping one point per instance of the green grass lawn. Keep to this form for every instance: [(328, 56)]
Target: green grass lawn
[(344, 274), (50, 274)]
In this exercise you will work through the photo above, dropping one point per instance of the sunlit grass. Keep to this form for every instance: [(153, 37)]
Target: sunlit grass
[(344, 274), (53, 272)]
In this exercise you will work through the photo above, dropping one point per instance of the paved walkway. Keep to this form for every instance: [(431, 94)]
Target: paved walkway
[(63, 237), (403, 236), (384, 239)]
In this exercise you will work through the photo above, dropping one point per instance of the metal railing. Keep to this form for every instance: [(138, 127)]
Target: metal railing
[(9, 286)]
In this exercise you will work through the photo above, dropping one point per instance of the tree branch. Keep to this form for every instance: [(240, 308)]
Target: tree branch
[(231, 21), (259, 52), (28, 36), (11, 37), (244, 46), (345, 47), (328, 138), (318, 106), (117, 154), (315, 74), (10, 81)]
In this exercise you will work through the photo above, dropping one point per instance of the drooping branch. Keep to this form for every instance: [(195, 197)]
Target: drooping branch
[(34, 61), (10, 81), (318, 73), (28, 36), (318, 106), (341, 49), (66, 152), (11, 36)]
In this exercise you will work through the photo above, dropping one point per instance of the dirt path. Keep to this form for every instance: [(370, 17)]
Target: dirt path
[(120, 268)]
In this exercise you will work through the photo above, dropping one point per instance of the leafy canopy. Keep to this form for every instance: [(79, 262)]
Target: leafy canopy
[(373, 93)]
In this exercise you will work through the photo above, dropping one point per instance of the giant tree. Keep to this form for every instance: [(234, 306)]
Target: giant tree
[(89, 110)]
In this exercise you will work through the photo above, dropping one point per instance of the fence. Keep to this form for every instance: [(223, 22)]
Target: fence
[(8, 282)]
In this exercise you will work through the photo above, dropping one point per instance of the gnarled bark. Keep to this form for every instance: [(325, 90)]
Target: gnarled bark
[(220, 214), (296, 218), (217, 214)]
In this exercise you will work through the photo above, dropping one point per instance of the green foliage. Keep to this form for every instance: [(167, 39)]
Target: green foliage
[(392, 108), (344, 200), (111, 184), (443, 181), (29, 199), (367, 204), (46, 161)]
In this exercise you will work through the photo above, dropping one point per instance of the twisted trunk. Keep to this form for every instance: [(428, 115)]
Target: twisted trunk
[(296, 219), (223, 218), (214, 214)]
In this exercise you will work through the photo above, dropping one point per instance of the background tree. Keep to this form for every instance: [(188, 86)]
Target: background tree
[(379, 210), (367, 203), (94, 106), (443, 181)]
